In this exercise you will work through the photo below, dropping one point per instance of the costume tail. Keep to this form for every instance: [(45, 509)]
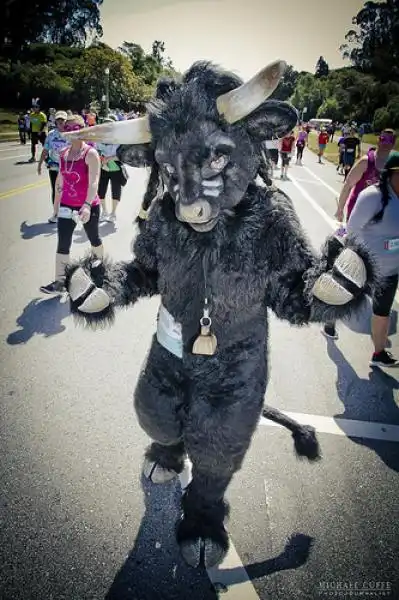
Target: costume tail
[(305, 439)]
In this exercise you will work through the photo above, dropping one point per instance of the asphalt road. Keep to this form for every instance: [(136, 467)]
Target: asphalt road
[(77, 522)]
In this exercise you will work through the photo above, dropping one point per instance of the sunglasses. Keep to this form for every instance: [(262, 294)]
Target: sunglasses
[(74, 127)]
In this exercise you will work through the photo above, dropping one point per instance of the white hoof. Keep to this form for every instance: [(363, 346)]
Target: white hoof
[(330, 291), (79, 285), (351, 266), (96, 302), (156, 473)]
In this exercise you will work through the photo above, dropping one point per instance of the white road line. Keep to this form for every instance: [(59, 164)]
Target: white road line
[(18, 156), (333, 224), (344, 427), (311, 181), (10, 148), (230, 577), (320, 180)]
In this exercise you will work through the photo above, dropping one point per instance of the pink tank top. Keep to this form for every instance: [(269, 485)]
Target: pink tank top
[(370, 177), (75, 176)]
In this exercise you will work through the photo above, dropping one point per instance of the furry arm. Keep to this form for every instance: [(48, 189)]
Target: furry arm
[(303, 287), (96, 287)]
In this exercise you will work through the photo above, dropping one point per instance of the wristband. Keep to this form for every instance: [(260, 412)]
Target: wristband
[(87, 204)]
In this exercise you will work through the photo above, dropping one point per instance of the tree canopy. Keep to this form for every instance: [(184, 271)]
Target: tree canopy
[(64, 22), (322, 68)]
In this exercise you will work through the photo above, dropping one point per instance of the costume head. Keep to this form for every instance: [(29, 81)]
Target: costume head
[(205, 133)]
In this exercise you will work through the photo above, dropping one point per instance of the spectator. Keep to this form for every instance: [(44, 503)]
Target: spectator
[(27, 124)]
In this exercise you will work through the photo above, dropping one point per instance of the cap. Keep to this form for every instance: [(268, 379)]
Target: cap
[(61, 114), (392, 163)]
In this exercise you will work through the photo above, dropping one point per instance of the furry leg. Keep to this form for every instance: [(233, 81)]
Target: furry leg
[(159, 404), (163, 463)]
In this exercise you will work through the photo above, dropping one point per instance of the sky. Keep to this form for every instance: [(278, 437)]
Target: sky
[(241, 35)]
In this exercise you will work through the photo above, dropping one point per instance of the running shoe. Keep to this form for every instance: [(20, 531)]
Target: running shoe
[(56, 287), (329, 331), (383, 359), (104, 216), (112, 218)]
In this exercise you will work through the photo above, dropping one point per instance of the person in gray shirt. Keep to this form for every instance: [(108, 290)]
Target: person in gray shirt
[(375, 220)]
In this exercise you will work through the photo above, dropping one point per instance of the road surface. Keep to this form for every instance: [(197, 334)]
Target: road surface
[(77, 522)]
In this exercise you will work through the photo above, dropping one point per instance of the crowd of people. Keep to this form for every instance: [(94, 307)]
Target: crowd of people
[(80, 174)]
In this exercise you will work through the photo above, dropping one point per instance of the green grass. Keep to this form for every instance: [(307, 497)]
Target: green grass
[(331, 151), (8, 123)]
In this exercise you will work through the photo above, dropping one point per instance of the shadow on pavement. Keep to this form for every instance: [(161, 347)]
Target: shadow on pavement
[(105, 228), (40, 317), (23, 162), (374, 395), (361, 323), (155, 569), (28, 232)]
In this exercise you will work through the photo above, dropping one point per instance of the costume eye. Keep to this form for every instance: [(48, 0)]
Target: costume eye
[(169, 169), (219, 162)]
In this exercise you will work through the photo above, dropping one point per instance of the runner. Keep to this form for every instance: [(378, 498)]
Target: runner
[(38, 123), (323, 140), (55, 142), (351, 145), (300, 144), (375, 220), (366, 172), (76, 198), (341, 152), (286, 149), (22, 129), (111, 172), (272, 147)]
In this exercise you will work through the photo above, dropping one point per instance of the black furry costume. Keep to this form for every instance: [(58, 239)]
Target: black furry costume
[(242, 247)]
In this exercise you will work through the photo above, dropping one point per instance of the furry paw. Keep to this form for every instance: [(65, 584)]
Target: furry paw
[(346, 280), (202, 552), (157, 474), (81, 287)]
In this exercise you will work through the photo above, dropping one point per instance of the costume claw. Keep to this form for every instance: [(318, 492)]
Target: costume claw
[(79, 284), (157, 474), (351, 266), (96, 302), (330, 291), (202, 552)]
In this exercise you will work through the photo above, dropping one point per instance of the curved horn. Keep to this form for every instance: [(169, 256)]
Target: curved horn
[(241, 101), (134, 131)]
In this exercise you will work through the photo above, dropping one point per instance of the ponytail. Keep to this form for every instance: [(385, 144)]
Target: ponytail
[(383, 187)]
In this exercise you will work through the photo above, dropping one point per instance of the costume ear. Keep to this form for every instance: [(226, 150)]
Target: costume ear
[(273, 118), (136, 155)]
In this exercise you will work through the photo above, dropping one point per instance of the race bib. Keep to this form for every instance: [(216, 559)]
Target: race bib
[(392, 245), (350, 150), (169, 333), (65, 213)]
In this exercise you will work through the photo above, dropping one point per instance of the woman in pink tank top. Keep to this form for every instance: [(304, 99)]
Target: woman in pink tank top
[(367, 169), (76, 200)]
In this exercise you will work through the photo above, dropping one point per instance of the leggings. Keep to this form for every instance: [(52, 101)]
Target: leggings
[(53, 176), (299, 152), (116, 187), (66, 228)]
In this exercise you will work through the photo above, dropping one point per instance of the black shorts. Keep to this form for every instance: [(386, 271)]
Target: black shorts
[(349, 158), (384, 297), (273, 153), (285, 158)]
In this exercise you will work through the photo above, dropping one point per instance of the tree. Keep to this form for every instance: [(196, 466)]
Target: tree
[(69, 22), (330, 109), (373, 46), (322, 68), (381, 119), (287, 84)]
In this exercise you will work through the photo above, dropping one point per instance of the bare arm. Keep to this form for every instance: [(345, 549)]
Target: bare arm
[(352, 179), (42, 158), (58, 190), (94, 165)]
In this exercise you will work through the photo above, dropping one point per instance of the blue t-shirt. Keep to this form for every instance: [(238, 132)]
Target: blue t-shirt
[(54, 144)]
